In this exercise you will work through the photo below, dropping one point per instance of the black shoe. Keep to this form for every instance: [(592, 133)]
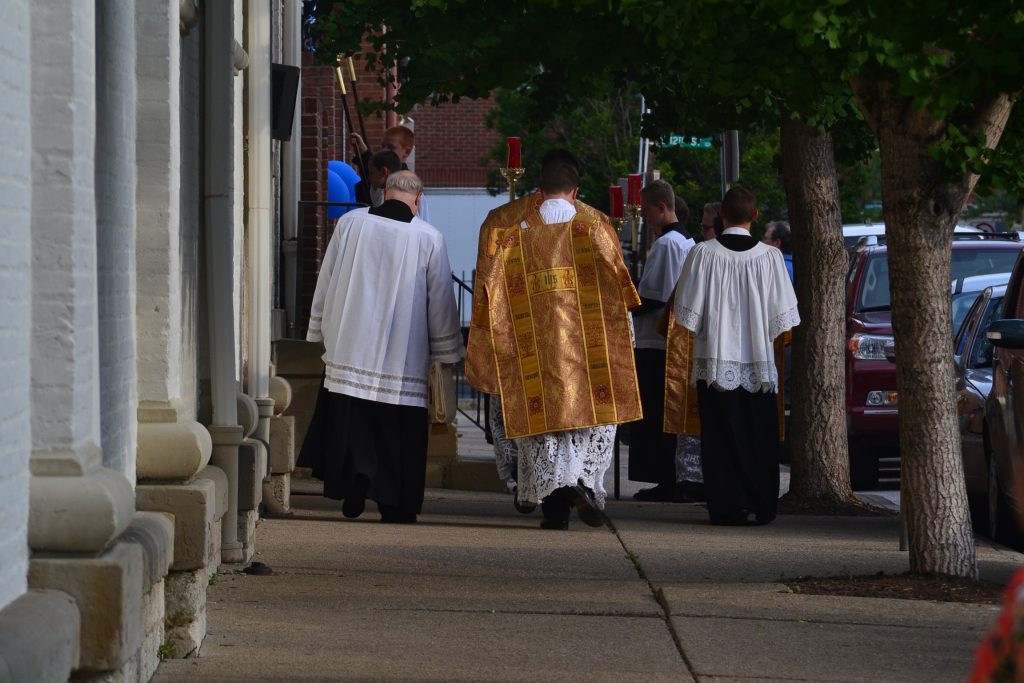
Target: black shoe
[(355, 502), (662, 493), (554, 524), (522, 506), (353, 506), (398, 518), (738, 518), (689, 492), (586, 507)]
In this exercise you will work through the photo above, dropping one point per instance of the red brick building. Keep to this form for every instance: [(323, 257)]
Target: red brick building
[(451, 142)]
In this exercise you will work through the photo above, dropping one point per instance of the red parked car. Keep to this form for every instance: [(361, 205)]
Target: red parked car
[(872, 413)]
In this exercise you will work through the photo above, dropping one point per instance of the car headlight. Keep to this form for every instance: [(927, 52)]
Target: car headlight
[(881, 398), (869, 346)]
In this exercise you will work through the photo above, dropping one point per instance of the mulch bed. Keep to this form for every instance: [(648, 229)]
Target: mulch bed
[(903, 587)]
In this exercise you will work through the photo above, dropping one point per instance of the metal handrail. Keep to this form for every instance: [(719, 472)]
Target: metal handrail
[(481, 401)]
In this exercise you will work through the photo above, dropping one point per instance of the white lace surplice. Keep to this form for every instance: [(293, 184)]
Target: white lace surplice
[(736, 303), (556, 459)]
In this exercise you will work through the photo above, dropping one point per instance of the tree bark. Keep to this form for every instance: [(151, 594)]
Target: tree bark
[(922, 203), (820, 468)]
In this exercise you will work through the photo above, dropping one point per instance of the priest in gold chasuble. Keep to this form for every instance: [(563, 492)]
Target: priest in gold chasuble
[(551, 336)]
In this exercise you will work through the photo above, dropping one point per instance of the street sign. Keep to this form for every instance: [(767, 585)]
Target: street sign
[(688, 142)]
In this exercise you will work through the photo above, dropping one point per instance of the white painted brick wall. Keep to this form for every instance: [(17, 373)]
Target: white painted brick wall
[(115, 231), (65, 386), (15, 295), (159, 247)]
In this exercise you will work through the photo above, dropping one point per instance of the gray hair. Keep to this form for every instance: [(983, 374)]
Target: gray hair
[(404, 181)]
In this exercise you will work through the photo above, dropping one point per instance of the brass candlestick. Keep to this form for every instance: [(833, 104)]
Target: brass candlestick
[(634, 216), (512, 175)]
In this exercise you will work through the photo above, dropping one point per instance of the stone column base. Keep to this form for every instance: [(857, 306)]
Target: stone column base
[(39, 636), (277, 494), (108, 590), (185, 619)]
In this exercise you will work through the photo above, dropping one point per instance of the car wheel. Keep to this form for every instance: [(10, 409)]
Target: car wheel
[(1002, 523), (863, 467)]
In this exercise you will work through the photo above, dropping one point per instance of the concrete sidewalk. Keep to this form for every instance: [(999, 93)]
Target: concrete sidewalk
[(478, 592)]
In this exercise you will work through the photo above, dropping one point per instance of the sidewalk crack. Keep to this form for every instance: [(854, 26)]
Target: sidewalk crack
[(658, 596)]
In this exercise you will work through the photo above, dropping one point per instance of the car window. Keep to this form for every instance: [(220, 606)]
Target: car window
[(961, 307), (981, 355), (970, 262), (874, 288), (874, 285)]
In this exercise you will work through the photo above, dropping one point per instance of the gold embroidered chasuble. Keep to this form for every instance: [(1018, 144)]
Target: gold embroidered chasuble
[(681, 411), (550, 330)]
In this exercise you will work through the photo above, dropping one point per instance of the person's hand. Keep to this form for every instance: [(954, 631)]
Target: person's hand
[(358, 141)]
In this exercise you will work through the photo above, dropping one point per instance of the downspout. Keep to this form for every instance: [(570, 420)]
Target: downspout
[(259, 199), (290, 163), (218, 190)]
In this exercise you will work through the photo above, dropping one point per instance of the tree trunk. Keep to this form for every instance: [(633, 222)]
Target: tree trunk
[(820, 468), (921, 206)]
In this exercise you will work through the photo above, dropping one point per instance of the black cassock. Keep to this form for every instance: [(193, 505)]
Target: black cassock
[(384, 442)]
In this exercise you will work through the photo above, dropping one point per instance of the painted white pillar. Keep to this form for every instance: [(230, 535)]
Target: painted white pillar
[(291, 164), (259, 199), (76, 505), (220, 224), (172, 444), (115, 231), (15, 296)]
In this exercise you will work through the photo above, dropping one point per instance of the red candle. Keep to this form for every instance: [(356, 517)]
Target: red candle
[(634, 188), (515, 159), (615, 201)]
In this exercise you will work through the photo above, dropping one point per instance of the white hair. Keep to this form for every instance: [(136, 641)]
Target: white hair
[(404, 181)]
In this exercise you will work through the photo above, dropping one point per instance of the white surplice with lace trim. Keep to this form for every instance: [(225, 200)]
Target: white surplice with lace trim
[(384, 308), (574, 456), (736, 303)]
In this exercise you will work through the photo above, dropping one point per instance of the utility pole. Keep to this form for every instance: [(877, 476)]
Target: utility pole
[(730, 158)]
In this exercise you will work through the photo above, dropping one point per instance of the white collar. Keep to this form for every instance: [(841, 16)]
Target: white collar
[(558, 203), (736, 231)]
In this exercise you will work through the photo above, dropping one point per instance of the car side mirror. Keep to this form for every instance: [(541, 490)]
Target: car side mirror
[(1006, 334)]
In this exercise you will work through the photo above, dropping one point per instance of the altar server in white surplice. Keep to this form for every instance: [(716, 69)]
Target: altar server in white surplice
[(736, 297), (384, 309)]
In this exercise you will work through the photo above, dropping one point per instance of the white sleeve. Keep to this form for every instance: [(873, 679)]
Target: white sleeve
[(782, 305), (443, 327), (423, 213), (314, 333), (664, 265), (691, 292)]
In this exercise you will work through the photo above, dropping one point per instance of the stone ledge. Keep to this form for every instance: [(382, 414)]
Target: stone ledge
[(154, 531), (108, 591), (282, 444), (252, 468), (194, 507), (39, 635)]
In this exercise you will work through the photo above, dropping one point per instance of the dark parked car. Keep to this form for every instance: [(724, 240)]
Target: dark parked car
[(1004, 413), (973, 357), (871, 399)]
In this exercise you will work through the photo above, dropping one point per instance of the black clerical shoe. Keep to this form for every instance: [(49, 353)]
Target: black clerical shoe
[(554, 524), (586, 507), (522, 506), (689, 492), (738, 518), (353, 506), (398, 518), (355, 502), (662, 493)]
